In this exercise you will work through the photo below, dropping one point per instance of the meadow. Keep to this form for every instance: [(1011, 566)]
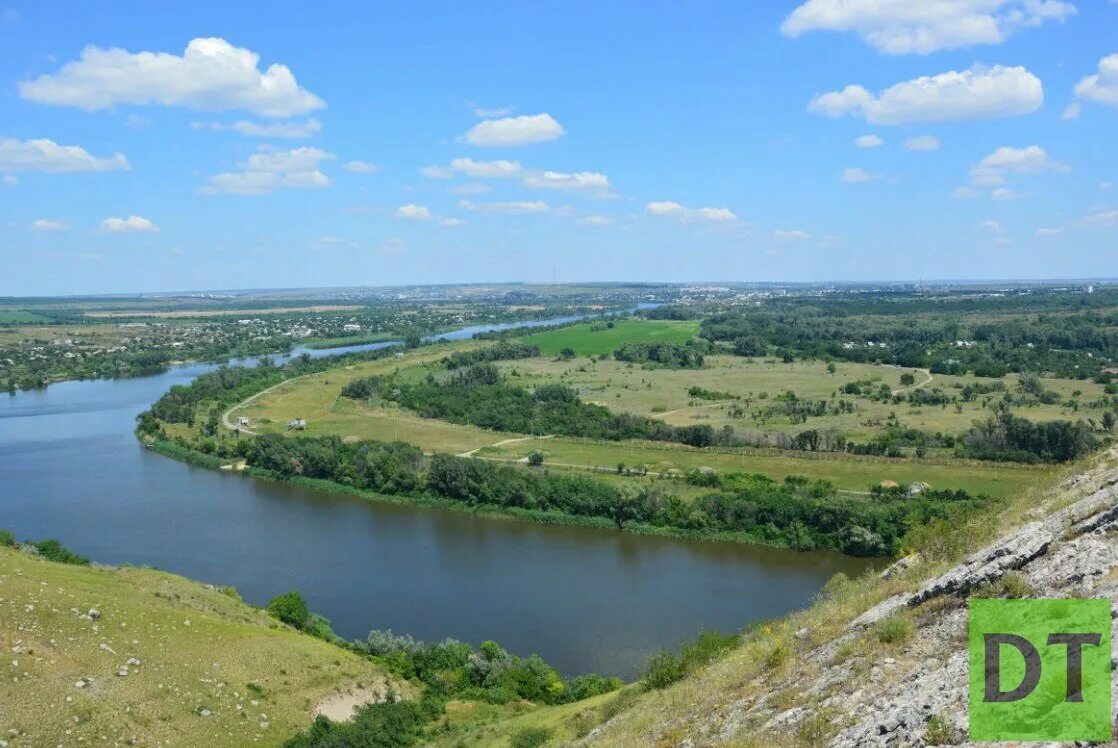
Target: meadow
[(602, 338), (756, 383), (660, 392)]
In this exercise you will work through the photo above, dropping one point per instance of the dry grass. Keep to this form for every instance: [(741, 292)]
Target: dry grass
[(198, 648)]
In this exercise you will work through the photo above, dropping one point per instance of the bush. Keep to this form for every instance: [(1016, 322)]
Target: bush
[(705, 648), (531, 737), (389, 724), (291, 608), (894, 629), (535, 458), (662, 670), (665, 668), (52, 550), (7, 539), (1014, 585), (937, 731)]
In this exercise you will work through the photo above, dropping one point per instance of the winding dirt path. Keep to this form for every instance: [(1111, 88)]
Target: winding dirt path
[(473, 452), (244, 429), (918, 385)]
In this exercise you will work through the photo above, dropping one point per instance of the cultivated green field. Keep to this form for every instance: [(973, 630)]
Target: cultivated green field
[(10, 317), (587, 342)]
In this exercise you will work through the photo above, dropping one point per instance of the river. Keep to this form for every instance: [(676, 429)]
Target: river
[(584, 599)]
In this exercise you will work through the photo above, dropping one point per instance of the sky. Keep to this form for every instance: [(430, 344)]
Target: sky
[(158, 147)]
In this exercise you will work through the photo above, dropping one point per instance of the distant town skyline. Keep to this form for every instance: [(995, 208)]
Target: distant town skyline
[(208, 147)]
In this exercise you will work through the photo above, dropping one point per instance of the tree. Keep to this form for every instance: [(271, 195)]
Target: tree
[(626, 507), (749, 346), (907, 379), (535, 458), (291, 608)]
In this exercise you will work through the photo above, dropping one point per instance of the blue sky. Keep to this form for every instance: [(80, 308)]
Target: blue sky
[(143, 147)]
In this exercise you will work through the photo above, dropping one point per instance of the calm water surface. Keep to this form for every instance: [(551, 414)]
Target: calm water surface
[(583, 599)]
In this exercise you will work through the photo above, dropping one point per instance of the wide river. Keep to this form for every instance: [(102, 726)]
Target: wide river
[(584, 599)]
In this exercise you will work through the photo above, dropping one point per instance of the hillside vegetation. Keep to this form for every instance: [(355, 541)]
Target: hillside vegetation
[(114, 655)]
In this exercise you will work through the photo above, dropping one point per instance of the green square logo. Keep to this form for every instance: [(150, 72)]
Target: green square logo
[(1039, 670)]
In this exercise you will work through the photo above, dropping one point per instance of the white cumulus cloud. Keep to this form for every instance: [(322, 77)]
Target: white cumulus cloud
[(869, 141), (470, 188), (1101, 87), (129, 225), (499, 169), (515, 131), (513, 207), (48, 156), (857, 175), (360, 167), (269, 170), (924, 26), (994, 168), (677, 211), (792, 235), (414, 212), (211, 75), (292, 130), (589, 182), (1103, 217), (46, 224), (922, 143), (490, 113), (977, 93), (594, 221)]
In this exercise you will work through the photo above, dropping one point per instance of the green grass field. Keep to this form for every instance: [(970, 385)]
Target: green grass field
[(317, 399), (664, 393), (586, 342), (848, 473), (15, 317), (198, 649)]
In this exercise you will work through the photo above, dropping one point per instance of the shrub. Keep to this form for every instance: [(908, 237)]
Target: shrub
[(1015, 585), (894, 629), (52, 550), (531, 737), (389, 724), (291, 608), (778, 655), (937, 731), (535, 458), (705, 648), (662, 670), (7, 539)]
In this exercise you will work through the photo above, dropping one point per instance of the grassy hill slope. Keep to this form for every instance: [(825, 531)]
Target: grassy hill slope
[(163, 660)]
